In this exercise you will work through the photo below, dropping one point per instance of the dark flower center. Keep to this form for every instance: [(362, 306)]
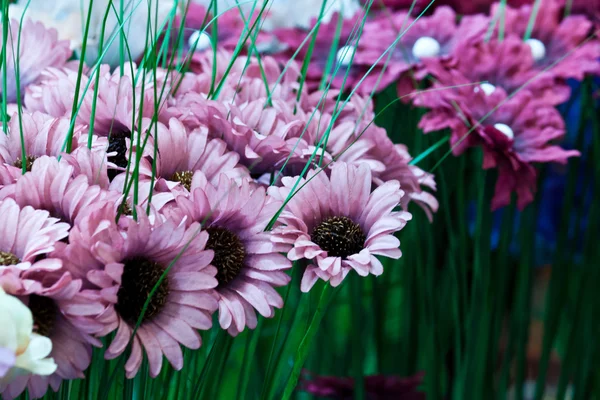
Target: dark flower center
[(229, 253), (140, 275), (118, 144), (44, 312), (339, 237), (8, 258), (125, 208), (28, 162), (184, 177)]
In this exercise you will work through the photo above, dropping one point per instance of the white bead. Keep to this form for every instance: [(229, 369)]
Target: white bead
[(506, 130), (426, 47), (538, 50), (344, 55), (487, 88), (204, 40)]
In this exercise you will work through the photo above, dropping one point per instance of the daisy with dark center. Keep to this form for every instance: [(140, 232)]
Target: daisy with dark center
[(180, 153), (248, 263), (50, 186), (61, 311), (64, 314), (26, 235), (127, 266), (43, 136), (336, 224)]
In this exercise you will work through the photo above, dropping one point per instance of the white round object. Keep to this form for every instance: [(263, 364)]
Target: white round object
[(203, 39), (344, 55), (426, 47), (506, 130), (487, 88), (538, 50)]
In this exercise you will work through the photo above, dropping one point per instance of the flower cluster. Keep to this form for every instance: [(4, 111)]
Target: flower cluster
[(171, 196), (492, 78)]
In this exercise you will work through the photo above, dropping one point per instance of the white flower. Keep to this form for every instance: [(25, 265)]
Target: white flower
[(21, 350), (68, 17)]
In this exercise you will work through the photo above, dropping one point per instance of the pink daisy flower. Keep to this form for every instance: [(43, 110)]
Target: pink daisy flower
[(431, 37), (50, 186), (248, 263), (43, 135), (355, 139), (513, 136), (53, 92), (293, 39), (340, 227), (508, 64), (39, 49), (64, 314), (180, 153), (553, 37), (27, 235), (230, 24), (132, 265)]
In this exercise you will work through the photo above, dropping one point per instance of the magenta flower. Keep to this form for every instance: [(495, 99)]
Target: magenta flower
[(556, 43), (64, 314), (132, 265), (347, 73), (376, 386), (39, 49), (230, 24), (340, 227), (431, 37), (508, 64), (514, 133), (248, 263), (180, 153)]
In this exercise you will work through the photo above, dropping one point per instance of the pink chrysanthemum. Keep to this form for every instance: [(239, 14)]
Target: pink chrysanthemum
[(245, 80), (431, 37), (27, 235), (65, 314), (53, 93), (132, 266), (556, 43), (514, 133), (39, 49), (355, 139), (248, 263), (180, 153), (42, 134), (50, 186), (347, 74), (337, 224), (508, 64), (199, 23)]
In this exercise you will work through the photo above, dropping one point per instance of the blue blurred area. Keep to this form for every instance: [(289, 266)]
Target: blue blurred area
[(551, 191)]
